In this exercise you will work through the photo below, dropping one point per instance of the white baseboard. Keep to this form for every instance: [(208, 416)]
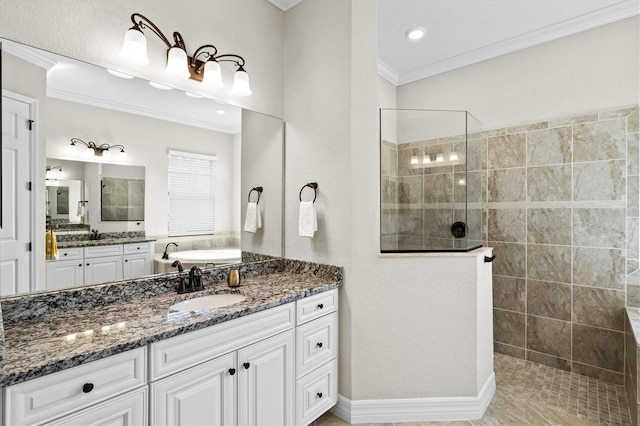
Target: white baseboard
[(416, 409)]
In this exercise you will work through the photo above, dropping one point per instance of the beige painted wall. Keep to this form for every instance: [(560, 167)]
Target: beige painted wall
[(92, 31), (147, 142), (594, 70)]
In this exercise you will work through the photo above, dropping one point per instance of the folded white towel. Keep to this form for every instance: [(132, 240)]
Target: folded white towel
[(307, 221), (253, 219)]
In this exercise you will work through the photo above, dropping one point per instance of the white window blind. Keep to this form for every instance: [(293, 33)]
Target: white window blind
[(192, 197)]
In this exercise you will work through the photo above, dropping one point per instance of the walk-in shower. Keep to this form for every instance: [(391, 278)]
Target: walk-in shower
[(430, 181)]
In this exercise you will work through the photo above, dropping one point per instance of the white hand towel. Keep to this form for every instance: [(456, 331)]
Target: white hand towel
[(252, 221), (307, 221)]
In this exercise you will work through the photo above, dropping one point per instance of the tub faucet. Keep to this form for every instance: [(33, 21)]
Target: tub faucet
[(165, 255)]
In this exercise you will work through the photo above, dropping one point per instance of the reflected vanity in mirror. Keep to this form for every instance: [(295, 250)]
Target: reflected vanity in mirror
[(123, 195)]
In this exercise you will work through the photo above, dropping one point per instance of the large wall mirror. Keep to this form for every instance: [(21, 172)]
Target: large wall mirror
[(72, 99)]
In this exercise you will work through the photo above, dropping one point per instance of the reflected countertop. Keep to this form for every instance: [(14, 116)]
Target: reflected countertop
[(61, 339), (103, 242)]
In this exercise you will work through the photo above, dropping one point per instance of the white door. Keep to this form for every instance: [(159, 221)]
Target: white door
[(266, 382), (201, 395), (136, 265), (64, 273), (102, 269), (15, 235)]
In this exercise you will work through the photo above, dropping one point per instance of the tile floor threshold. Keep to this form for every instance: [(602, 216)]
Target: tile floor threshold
[(531, 394)]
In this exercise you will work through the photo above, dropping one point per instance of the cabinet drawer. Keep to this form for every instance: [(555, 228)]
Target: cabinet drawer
[(70, 253), (316, 306), (136, 248), (177, 353), (63, 392), (99, 251), (316, 393), (129, 409), (316, 343)]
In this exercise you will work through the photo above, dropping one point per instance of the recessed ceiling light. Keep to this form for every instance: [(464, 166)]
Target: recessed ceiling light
[(192, 95), (416, 33), (119, 74), (220, 111), (159, 86)]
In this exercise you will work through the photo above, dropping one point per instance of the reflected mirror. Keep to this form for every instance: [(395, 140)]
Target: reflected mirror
[(71, 99)]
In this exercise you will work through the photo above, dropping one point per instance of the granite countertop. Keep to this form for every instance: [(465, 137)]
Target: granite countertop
[(103, 242), (64, 339)]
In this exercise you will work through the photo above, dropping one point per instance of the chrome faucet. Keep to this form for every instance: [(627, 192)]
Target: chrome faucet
[(165, 255)]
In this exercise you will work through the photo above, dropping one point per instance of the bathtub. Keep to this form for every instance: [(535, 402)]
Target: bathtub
[(215, 256)]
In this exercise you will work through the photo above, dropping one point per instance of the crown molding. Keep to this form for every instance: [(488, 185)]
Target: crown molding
[(146, 112), (284, 5), (566, 28), (388, 73), (28, 54)]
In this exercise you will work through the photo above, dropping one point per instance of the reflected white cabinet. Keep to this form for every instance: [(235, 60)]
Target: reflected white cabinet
[(202, 394), (137, 260), (102, 269), (266, 388), (65, 273)]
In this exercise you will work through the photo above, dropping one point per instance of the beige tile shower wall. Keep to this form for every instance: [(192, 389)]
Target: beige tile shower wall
[(389, 196), (562, 215)]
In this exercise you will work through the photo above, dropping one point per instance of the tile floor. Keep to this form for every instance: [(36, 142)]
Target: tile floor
[(532, 394)]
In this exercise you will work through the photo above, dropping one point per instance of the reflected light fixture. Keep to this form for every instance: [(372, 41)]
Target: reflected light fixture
[(99, 150), (453, 156), (203, 65), (119, 74), (414, 159), (53, 172), (159, 86), (426, 159), (439, 158)]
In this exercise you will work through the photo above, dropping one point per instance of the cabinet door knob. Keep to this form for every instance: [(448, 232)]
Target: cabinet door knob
[(138, 248), (319, 344), (65, 254), (319, 394), (126, 260), (80, 264), (320, 306), (246, 365), (87, 387), (232, 371)]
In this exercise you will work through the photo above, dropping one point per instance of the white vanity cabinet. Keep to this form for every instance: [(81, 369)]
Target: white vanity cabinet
[(99, 264), (316, 356), (137, 260), (237, 372), (95, 390)]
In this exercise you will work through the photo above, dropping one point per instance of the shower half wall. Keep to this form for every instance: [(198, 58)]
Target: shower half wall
[(431, 181)]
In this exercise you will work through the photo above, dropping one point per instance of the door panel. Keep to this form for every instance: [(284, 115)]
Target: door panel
[(15, 235)]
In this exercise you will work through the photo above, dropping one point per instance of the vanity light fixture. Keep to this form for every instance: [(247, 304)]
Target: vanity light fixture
[(414, 159), (98, 150), (203, 65), (119, 74), (426, 159), (192, 95), (439, 158), (159, 86), (453, 156), (220, 111)]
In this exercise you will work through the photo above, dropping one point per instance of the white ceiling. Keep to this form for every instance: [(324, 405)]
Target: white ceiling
[(463, 32)]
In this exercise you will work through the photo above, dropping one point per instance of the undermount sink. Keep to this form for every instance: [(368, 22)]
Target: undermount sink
[(207, 302)]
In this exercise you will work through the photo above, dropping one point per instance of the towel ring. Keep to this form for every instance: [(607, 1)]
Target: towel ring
[(258, 189), (312, 185)]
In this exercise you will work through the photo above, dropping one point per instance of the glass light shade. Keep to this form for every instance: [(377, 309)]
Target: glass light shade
[(177, 63), (426, 159), (134, 47), (414, 159), (439, 158), (212, 77), (241, 84), (453, 156)]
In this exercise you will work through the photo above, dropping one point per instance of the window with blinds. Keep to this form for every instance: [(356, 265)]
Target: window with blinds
[(192, 197)]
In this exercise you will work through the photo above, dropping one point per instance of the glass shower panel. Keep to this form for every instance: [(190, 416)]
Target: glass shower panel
[(431, 181)]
